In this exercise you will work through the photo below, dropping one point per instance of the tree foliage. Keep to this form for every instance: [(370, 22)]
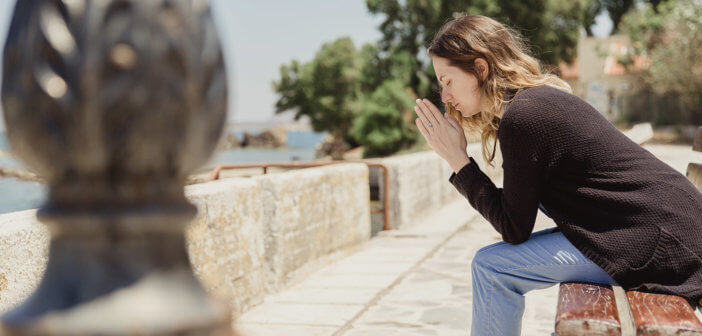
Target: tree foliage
[(616, 10), (361, 95), (592, 8), (669, 41), (343, 87), (327, 89), (386, 125), (552, 27)]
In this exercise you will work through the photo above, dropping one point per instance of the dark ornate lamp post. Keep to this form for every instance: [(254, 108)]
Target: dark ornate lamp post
[(114, 102)]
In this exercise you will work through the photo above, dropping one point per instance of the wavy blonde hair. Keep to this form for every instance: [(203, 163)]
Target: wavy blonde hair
[(511, 68)]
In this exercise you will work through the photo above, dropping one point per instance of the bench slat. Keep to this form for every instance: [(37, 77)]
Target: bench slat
[(660, 315), (586, 309), (694, 174)]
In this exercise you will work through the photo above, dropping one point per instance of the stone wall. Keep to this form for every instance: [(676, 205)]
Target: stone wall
[(419, 183), (24, 245), (225, 241), (311, 213), (250, 237)]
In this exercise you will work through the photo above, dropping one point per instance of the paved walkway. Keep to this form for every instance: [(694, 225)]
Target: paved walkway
[(413, 281)]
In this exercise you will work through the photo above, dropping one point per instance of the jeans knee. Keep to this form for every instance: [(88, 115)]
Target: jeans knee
[(484, 258)]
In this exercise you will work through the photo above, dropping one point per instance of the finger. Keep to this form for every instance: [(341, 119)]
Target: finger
[(422, 129), (422, 117), (427, 112), (453, 121), (433, 109)]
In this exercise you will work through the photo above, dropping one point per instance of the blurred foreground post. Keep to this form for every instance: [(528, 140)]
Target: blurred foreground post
[(114, 103)]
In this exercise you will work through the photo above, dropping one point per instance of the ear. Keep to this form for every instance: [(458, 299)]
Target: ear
[(481, 66)]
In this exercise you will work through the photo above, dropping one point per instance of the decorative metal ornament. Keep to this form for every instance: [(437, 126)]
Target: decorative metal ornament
[(114, 103)]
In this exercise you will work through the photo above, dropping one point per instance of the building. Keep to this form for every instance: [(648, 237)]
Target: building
[(597, 76)]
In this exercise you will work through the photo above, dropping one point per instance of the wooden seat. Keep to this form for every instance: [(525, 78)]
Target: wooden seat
[(659, 315), (586, 309)]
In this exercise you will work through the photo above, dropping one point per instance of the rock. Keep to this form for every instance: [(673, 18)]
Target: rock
[(227, 142), (266, 139), (331, 147), (354, 154), (231, 141)]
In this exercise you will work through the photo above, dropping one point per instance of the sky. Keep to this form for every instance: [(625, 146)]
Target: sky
[(260, 36)]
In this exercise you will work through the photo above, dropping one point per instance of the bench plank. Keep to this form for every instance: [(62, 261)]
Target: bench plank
[(661, 315), (586, 309)]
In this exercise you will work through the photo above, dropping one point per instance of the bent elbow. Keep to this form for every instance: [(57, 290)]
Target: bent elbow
[(516, 237), (517, 232), (516, 240)]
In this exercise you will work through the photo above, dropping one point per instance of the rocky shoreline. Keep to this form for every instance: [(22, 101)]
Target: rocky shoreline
[(275, 137)]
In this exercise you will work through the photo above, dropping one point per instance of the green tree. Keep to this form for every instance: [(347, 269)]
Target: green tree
[(343, 88), (379, 67), (669, 39), (386, 124), (616, 10), (327, 89), (592, 9), (552, 26)]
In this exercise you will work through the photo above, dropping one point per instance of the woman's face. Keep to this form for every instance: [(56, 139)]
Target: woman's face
[(458, 87)]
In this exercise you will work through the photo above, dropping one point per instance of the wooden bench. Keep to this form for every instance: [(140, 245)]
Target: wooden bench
[(587, 309)]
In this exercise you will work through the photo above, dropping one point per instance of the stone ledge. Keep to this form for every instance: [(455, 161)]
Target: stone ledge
[(250, 237)]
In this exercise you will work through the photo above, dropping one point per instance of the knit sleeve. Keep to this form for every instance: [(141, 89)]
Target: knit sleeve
[(512, 209)]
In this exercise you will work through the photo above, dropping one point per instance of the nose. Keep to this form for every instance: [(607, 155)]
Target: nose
[(446, 96)]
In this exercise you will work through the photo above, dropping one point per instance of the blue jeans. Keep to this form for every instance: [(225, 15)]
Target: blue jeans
[(502, 273)]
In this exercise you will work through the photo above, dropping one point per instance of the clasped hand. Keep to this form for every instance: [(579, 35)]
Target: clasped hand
[(443, 133)]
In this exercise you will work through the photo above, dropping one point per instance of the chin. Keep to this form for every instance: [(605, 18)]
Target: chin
[(467, 115)]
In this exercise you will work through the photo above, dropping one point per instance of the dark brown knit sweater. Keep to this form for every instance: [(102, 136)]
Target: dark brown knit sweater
[(630, 213)]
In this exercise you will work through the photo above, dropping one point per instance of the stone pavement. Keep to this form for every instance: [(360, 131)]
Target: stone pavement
[(412, 281)]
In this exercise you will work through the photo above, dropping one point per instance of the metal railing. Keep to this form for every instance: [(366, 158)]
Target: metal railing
[(291, 165)]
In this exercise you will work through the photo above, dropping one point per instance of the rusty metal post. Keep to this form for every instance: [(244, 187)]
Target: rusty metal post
[(114, 103)]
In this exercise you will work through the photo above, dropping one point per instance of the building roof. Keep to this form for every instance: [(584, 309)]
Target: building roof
[(616, 47)]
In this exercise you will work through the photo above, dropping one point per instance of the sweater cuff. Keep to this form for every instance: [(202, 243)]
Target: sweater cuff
[(460, 178)]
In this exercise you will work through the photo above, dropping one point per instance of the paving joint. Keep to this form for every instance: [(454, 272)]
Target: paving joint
[(413, 269)]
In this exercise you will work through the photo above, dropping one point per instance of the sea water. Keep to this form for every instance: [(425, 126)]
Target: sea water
[(16, 195)]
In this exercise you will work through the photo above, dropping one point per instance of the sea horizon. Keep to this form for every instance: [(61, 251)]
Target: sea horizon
[(18, 195)]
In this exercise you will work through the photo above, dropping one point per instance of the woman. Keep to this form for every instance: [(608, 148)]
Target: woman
[(623, 216)]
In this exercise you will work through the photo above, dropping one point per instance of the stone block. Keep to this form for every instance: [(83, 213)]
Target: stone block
[(309, 213), (694, 174), (419, 183), (640, 133), (225, 241)]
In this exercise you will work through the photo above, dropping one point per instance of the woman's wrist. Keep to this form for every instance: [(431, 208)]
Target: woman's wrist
[(458, 163)]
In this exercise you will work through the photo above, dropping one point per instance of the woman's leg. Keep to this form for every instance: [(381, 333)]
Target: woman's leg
[(502, 273)]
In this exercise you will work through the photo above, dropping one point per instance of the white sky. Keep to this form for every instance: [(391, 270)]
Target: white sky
[(259, 36)]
